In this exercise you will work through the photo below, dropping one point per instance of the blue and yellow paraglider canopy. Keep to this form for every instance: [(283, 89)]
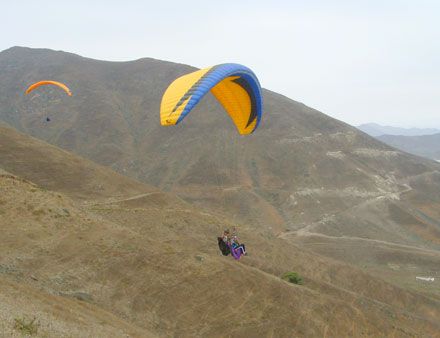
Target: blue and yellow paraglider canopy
[(235, 86)]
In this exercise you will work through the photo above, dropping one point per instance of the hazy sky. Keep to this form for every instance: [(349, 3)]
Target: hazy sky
[(358, 61)]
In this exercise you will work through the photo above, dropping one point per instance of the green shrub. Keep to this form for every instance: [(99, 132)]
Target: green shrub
[(26, 327), (292, 277)]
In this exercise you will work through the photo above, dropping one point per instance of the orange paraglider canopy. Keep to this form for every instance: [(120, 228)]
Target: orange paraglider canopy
[(48, 82)]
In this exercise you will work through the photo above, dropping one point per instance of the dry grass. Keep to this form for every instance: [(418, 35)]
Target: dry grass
[(139, 263)]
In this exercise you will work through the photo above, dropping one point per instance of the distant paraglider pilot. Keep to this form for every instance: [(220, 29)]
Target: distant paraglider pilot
[(45, 83)]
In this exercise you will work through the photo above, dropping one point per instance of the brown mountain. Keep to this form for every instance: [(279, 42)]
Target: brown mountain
[(298, 156), (304, 177), (145, 265)]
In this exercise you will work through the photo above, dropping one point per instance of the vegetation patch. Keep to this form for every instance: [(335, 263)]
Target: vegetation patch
[(292, 277), (26, 326)]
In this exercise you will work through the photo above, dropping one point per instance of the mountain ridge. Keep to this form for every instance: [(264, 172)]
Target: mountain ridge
[(427, 146), (376, 130)]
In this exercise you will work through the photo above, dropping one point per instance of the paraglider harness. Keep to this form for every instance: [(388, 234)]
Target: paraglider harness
[(224, 247)]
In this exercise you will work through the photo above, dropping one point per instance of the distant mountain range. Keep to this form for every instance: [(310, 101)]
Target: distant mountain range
[(423, 142), (374, 129), (425, 145)]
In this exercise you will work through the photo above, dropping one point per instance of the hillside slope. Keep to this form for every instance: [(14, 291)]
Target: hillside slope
[(146, 265), (133, 259), (55, 169), (57, 316)]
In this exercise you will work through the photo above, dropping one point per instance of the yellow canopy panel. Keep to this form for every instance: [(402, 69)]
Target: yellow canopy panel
[(235, 86)]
